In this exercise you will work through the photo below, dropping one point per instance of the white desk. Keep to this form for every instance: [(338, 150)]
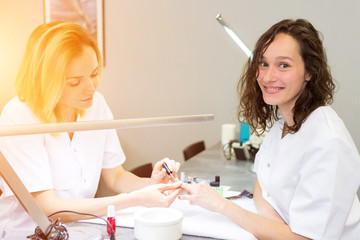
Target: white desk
[(211, 162), (205, 165)]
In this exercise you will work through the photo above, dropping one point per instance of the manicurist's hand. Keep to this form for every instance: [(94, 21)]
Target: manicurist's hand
[(157, 195), (159, 174), (203, 195)]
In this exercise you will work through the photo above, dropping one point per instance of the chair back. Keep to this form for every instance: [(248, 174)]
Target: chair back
[(193, 149), (144, 170)]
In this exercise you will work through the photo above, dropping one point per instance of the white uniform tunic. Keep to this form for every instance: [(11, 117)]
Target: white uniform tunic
[(45, 161), (311, 177)]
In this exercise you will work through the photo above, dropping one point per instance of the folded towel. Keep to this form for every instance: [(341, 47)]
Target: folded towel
[(197, 221)]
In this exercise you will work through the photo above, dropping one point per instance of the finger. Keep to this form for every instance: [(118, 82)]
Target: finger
[(187, 187), (186, 197), (171, 163), (177, 167), (172, 186), (172, 196), (174, 166), (159, 163)]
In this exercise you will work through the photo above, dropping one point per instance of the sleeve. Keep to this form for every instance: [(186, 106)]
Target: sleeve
[(113, 155), (261, 154), (327, 187), (113, 152), (26, 155), (258, 159)]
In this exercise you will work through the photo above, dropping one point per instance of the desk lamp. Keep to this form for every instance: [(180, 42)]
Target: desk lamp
[(244, 127), (52, 232), (233, 35)]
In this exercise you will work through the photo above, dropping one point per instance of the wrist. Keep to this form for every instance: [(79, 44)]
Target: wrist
[(134, 199), (124, 200), (223, 205), (150, 181)]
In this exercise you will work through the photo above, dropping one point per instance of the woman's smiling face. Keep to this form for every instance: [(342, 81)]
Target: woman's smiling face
[(282, 75)]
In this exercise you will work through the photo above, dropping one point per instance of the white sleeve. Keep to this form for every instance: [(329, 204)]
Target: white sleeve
[(260, 156), (27, 156), (329, 178), (113, 155), (113, 152)]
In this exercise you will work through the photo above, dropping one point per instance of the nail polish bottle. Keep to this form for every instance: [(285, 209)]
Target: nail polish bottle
[(216, 185), (111, 219)]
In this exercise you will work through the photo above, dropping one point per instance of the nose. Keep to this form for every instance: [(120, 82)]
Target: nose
[(90, 85), (270, 74)]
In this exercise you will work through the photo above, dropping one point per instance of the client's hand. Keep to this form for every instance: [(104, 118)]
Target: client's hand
[(203, 195), (157, 195), (159, 174)]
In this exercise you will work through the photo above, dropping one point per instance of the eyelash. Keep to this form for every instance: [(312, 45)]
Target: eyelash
[(282, 65), (78, 81), (263, 64), (94, 75), (74, 84)]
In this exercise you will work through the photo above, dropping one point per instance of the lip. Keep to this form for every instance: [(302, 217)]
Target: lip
[(272, 89), (87, 99)]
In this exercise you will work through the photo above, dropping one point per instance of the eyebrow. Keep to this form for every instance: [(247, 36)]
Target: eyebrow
[(279, 57), (80, 77)]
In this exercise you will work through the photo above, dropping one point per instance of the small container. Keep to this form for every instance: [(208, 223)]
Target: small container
[(158, 224), (216, 185), (191, 180), (182, 176)]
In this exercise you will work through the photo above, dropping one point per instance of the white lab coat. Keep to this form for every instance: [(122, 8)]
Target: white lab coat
[(45, 161), (311, 177)]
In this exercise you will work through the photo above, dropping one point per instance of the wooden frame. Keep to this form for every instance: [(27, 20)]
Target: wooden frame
[(89, 14)]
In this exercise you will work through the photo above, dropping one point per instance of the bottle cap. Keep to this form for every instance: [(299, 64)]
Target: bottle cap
[(217, 179), (111, 211), (214, 184)]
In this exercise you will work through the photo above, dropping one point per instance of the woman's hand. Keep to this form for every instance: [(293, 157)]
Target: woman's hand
[(159, 174), (204, 196), (157, 195)]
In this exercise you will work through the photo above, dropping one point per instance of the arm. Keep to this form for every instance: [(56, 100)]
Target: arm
[(141, 192), (152, 196), (270, 229), (118, 179), (263, 207), (203, 195)]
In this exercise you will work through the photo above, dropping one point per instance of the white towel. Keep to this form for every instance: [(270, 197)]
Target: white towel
[(197, 221)]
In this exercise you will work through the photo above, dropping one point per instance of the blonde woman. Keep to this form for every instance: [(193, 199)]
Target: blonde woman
[(57, 82)]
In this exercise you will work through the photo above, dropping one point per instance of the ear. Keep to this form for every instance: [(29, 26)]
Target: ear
[(307, 76)]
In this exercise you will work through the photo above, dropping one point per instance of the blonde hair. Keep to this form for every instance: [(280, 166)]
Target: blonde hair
[(41, 76)]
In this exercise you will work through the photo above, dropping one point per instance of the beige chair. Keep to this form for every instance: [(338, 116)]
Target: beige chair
[(193, 149), (144, 170)]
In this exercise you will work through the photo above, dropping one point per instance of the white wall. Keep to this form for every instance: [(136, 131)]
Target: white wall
[(167, 57)]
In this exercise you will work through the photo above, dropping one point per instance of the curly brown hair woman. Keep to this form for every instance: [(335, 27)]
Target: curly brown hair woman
[(318, 91)]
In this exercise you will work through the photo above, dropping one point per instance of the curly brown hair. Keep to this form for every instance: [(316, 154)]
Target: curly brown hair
[(318, 91)]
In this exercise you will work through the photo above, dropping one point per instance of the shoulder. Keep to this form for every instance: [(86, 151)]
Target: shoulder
[(325, 129), (326, 121), (16, 111), (324, 113)]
